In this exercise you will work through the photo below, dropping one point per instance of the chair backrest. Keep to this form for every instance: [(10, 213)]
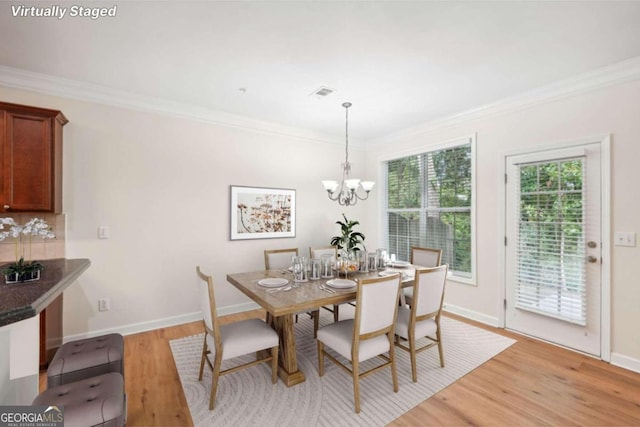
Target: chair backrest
[(376, 305), (425, 257), (428, 291), (279, 258), (208, 305), (318, 252)]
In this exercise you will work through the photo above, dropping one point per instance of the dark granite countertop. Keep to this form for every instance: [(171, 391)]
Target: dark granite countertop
[(21, 301)]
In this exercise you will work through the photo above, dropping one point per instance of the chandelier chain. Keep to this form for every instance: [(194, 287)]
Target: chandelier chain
[(346, 106)]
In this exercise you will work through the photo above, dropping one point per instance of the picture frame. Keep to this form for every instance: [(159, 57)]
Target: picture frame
[(262, 213)]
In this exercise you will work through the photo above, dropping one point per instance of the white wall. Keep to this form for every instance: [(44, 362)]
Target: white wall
[(162, 186), (614, 111)]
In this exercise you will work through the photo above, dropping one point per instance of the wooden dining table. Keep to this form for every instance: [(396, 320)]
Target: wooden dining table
[(282, 307)]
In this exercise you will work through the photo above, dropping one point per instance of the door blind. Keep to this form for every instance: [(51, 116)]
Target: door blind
[(550, 272)]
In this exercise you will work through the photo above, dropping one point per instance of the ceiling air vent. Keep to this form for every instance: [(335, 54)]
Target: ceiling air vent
[(322, 91)]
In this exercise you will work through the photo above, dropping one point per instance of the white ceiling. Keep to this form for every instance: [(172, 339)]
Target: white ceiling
[(401, 64)]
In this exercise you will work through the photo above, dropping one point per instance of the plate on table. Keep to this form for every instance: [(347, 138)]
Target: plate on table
[(272, 282), (404, 275), (400, 264), (341, 283)]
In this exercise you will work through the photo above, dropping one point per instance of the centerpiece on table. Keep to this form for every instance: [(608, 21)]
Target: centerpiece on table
[(348, 244), (23, 270)]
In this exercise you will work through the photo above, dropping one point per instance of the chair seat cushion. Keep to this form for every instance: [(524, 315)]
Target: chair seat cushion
[(423, 328), (97, 401), (339, 336), (81, 359), (244, 337)]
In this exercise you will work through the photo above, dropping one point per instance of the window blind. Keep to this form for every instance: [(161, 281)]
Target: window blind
[(550, 249), (428, 204)]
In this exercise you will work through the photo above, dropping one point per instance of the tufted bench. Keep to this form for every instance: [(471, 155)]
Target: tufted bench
[(97, 401), (81, 359)]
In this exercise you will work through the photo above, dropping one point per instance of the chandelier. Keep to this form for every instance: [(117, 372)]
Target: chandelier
[(346, 192)]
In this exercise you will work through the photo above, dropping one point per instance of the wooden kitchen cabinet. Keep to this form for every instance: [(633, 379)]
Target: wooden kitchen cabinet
[(30, 159)]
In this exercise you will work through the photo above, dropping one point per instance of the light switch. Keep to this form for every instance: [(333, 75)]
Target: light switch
[(625, 238), (103, 232)]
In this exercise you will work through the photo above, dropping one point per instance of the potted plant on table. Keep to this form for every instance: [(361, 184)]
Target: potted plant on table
[(348, 240), (348, 244), (23, 270)]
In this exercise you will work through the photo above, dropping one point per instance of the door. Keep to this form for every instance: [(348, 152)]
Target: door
[(553, 246)]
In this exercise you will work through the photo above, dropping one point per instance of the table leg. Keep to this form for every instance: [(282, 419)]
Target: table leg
[(288, 362)]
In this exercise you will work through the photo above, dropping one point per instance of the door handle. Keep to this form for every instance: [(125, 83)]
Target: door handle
[(592, 259)]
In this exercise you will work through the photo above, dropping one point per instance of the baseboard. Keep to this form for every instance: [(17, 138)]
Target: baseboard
[(471, 315), (625, 362), (162, 323)]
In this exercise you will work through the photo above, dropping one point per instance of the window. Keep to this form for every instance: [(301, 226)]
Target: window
[(429, 203)]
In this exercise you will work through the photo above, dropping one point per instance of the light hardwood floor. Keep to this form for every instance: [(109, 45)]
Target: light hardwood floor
[(529, 384)]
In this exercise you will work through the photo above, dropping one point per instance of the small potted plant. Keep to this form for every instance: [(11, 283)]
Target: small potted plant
[(23, 270), (348, 243), (348, 240)]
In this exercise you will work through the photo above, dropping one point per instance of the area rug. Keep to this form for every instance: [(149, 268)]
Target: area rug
[(247, 397)]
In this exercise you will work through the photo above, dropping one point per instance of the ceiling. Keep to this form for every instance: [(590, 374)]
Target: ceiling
[(401, 64)]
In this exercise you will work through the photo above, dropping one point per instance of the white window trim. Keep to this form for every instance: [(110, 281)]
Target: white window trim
[(382, 192)]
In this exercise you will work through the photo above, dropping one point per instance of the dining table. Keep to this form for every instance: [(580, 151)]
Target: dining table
[(283, 305)]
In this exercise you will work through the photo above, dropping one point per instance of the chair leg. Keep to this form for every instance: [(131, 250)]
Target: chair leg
[(394, 371), (202, 359), (440, 350), (336, 313), (356, 385), (412, 353), (214, 382), (274, 364), (268, 319), (320, 358), (316, 323)]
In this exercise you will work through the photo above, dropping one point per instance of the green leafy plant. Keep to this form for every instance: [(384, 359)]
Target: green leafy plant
[(23, 236), (21, 267), (348, 240)]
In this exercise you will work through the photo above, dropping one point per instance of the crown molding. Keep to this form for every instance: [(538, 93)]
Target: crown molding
[(614, 74), (610, 75), (89, 92)]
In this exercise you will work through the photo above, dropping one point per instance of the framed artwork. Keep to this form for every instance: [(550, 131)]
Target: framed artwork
[(262, 213)]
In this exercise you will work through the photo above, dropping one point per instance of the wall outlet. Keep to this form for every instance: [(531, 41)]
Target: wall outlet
[(104, 304), (103, 232), (623, 238)]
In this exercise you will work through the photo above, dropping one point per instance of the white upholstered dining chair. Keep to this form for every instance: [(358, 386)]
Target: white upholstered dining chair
[(370, 334), (422, 257), (422, 320), (224, 342), (280, 259), (317, 253)]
